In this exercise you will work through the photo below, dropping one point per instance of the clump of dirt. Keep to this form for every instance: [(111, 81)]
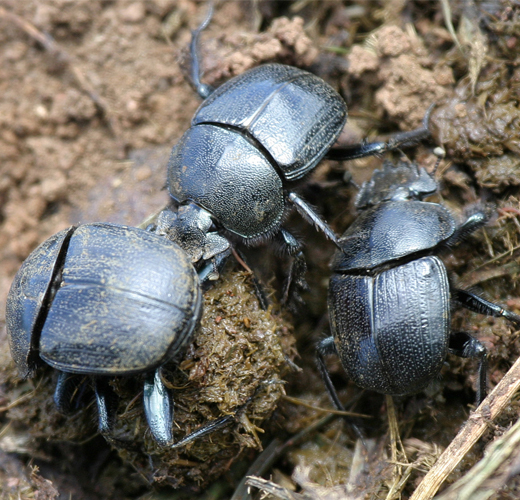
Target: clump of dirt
[(480, 127), (408, 80)]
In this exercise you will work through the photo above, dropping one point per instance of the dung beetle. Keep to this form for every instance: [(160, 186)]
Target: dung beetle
[(106, 300), (232, 174), (389, 295)]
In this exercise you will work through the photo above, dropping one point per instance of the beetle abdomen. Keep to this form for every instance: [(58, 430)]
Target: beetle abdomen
[(224, 173), (293, 114), (392, 330), (126, 300), (26, 297), (120, 300)]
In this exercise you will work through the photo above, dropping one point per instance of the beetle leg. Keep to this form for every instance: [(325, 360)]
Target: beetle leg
[(305, 210), (258, 287), (211, 269), (107, 402), (158, 408), (213, 426), (326, 347), (479, 305), (464, 345), (66, 395), (364, 149), (203, 89), (220, 422), (296, 279)]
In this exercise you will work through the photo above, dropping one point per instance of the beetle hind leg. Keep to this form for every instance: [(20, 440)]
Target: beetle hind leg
[(107, 403), (310, 215), (462, 344), (220, 422), (67, 395), (203, 89), (324, 348)]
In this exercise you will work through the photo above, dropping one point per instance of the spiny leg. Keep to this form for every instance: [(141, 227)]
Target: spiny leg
[(296, 279), (327, 347), (220, 422), (211, 269), (376, 148), (107, 403), (203, 89), (158, 408), (67, 394), (310, 215), (479, 305), (472, 223), (258, 287), (462, 344)]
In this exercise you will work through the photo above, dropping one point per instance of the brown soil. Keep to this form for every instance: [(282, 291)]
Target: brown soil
[(93, 98)]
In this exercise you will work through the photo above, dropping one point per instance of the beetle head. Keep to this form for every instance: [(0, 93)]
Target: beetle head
[(190, 227), (404, 181)]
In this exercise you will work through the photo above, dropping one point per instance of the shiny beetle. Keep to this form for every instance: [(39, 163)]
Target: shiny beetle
[(233, 172), (105, 300), (389, 296)]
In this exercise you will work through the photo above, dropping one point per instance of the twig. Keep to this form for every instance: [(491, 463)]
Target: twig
[(274, 489), (271, 454), (473, 429), (483, 480)]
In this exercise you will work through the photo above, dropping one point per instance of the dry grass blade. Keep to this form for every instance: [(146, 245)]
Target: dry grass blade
[(273, 489), (477, 423), (492, 472)]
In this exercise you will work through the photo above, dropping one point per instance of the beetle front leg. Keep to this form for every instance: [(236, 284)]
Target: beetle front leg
[(472, 223), (462, 344), (296, 279), (479, 305), (211, 269)]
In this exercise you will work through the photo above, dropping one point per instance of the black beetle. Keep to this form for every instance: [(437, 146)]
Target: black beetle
[(389, 296), (250, 141), (105, 300)]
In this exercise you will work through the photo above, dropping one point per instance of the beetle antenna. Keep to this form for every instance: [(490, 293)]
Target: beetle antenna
[(203, 89)]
